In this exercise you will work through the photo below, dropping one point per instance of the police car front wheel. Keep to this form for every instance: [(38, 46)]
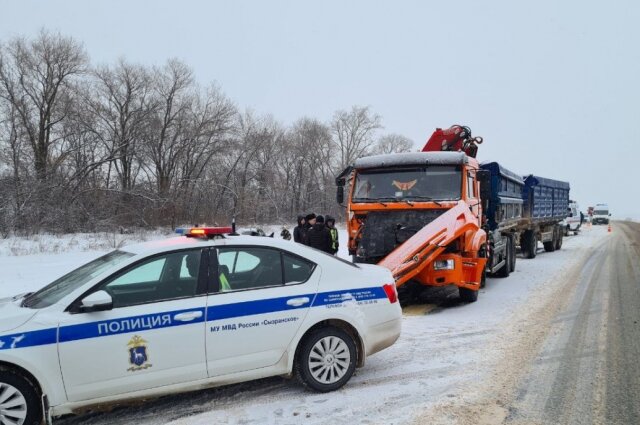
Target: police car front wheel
[(19, 401), (327, 359)]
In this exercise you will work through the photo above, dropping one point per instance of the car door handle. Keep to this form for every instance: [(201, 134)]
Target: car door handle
[(297, 302), (188, 316)]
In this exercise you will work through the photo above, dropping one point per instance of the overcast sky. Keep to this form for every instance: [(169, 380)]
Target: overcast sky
[(552, 86)]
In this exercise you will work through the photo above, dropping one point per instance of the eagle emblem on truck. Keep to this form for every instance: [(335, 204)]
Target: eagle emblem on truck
[(404, 186)]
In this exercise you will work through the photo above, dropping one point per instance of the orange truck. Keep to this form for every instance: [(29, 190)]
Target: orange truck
[(419, 214)]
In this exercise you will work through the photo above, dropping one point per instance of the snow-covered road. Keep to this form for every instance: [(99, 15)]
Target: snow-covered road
[(447, 355)]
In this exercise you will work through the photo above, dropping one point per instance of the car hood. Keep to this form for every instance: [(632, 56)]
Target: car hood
[(12, 315)]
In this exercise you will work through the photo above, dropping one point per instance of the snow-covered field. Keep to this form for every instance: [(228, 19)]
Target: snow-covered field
[(446, 353)]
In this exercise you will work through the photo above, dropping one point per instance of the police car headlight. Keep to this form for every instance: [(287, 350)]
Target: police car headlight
[(444, 265)]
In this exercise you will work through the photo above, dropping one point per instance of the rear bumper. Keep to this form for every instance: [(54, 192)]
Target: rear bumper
[(382, 336)]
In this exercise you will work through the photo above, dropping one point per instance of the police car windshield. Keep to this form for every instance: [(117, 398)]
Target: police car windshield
[(68, 283)]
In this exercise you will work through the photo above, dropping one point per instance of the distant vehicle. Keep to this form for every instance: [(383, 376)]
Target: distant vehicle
[(187, 313), (601, 214), (574, 220)]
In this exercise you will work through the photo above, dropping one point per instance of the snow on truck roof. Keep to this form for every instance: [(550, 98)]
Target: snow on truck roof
[(411, 158)]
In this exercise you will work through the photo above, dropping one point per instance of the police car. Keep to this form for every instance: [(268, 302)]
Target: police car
[(186, 313)]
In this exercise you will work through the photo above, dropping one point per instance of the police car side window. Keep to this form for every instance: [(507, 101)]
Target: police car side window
[(296, 270), (244, 268), (165, 277), (147, 272)]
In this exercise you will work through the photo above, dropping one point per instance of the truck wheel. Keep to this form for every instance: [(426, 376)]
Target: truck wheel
[(20, 400), (408, 293), (327, 359), (468, 295), (550, 246), (506, 269), (483, 279)]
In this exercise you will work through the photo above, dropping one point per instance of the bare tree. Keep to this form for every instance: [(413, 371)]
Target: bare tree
[(354, 132), (174, 93), (126, 144), (392, 143), (122, 106), (35, 76)]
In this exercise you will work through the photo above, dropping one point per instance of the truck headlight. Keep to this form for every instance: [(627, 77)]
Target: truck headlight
[(444, 264)]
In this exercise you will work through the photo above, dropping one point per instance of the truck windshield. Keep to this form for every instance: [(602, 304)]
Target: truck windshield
[(601, 212), (68, 283), (438, 182)]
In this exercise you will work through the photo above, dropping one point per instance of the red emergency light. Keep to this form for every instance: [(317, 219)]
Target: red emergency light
[(203, 232)]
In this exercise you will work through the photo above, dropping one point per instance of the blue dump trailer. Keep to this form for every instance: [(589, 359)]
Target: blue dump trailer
[(520, 212), (546, 204)]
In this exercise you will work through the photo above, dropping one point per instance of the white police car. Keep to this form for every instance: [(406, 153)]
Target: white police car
[(187, 313)]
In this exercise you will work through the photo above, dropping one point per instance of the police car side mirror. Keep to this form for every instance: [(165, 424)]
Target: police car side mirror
[(97, 301)]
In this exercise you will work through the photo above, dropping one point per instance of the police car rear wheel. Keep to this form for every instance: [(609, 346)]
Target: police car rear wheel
[(327, 359), (19, 401)]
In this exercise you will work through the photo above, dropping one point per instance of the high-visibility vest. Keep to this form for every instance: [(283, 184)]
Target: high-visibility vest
[(334, 238), (224, 283)]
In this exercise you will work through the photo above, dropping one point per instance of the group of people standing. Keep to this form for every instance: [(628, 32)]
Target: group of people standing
[(317, 232)]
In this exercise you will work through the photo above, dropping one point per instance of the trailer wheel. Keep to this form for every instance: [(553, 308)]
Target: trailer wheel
[(559, 242), (530, 244), (551, 245), (468, 295)]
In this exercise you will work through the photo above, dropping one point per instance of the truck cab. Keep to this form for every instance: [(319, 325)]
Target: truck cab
[(418, 214)]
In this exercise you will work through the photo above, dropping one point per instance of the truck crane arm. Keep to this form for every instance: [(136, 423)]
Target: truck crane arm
[(455, 138)]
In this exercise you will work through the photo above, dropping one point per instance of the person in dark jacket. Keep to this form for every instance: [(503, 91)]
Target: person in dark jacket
[(319, 236), (299, 229), (331, 225), (309, 221)]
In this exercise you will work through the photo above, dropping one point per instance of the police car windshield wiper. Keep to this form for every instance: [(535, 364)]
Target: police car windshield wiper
[(426, 198)]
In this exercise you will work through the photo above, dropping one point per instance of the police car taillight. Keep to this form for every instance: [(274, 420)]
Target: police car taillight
[(203, 232), (390, 290)]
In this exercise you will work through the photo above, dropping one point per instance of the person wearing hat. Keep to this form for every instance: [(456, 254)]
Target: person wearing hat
[(299, 229), (319, 236), (331, 225), (309, 221)]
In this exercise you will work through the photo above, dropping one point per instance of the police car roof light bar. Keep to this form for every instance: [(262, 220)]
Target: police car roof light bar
[(203, 232)]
